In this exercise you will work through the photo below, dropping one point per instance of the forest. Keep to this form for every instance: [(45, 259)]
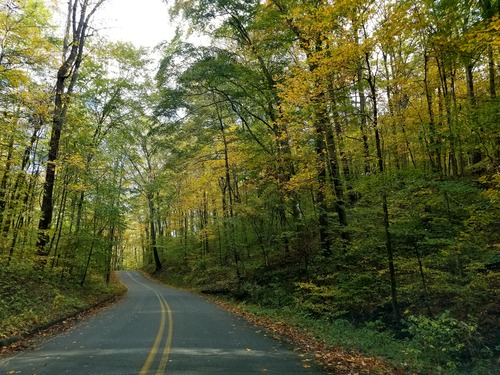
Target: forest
[(335, 160)]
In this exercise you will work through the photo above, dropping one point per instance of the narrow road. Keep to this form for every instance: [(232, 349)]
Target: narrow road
[(159, 330)]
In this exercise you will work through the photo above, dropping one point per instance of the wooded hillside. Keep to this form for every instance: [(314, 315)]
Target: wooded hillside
[(340, 159)]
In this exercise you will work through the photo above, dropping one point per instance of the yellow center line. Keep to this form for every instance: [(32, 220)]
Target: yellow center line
[(156, 345), (165, 310), (168, 343)]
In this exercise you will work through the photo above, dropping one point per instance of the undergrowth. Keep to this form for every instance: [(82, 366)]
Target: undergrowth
[(430, 346), (30, 298), (439, 345)]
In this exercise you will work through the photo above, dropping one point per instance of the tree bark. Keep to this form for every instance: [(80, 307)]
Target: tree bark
[(434, 152), (5, 179), (320, 125), (385, 206), (79, 16), (491, 72), (226, 185), (362, 120), (153, 238)]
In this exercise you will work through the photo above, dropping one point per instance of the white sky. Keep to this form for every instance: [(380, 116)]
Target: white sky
[(142, 22)]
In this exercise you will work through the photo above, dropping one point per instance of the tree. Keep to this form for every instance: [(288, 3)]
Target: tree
[(26, 54), (78, 23), (92, 162)]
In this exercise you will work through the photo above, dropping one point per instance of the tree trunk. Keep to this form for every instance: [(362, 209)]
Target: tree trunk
[(68, 72), (321, 123), (434, 152), (447, 98), (385, 206), (152, 233), (491, 73), (334, 168), (5, 180), (59, 222), (470, 83), (230, 192), (362, 120)]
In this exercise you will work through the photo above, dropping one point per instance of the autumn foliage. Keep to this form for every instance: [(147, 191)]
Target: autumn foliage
[(336, 159)]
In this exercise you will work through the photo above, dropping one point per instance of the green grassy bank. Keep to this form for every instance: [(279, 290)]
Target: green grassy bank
[(32, 298)]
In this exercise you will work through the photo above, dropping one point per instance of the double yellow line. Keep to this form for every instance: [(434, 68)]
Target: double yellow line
[(166, 314)]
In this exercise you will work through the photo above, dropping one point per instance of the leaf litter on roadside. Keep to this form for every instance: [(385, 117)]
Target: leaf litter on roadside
[(333, 359)]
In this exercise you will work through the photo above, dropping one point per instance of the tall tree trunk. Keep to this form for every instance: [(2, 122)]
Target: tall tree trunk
[(110, 264), (320, 125), (21, 195), (476, 152), (491, 73), (447, 97), (204, 226), (334, 168), (363, 120), (152, 233), (228, 186), (340, 141), (470, 83), (394, 105), (434, 152), (336, 165), (59, 222), (79, 16), (91, 251), (493, 96), (385, 207), (5, 180)]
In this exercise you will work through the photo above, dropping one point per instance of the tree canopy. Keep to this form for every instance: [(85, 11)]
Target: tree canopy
[(339, 158)]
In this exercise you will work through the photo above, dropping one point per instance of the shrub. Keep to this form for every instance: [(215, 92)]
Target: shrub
[(443, 343)]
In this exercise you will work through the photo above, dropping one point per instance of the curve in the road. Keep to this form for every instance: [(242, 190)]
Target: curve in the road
[(137, 335)]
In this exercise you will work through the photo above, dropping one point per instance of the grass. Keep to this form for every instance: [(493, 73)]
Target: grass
[(31, 298)]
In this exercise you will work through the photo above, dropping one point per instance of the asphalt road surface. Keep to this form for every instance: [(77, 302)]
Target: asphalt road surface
[(159, 330)]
